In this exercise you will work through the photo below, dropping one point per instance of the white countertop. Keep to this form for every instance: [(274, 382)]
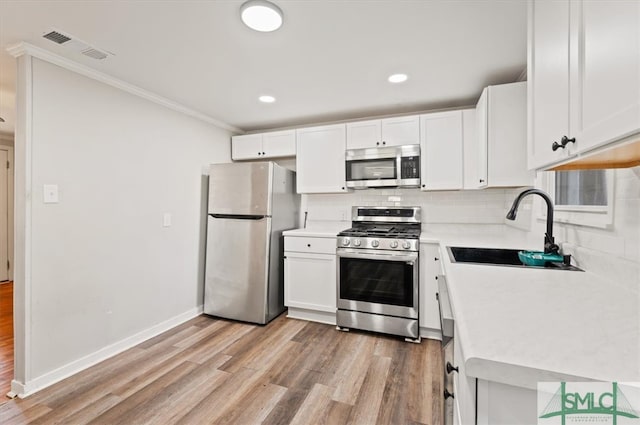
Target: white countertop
[(519, 326), (319, 229)]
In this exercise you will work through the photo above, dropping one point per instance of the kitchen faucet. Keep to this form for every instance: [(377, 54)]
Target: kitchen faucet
[(550, 246)]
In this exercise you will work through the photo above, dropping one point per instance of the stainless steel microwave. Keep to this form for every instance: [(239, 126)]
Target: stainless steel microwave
[(393, 166)]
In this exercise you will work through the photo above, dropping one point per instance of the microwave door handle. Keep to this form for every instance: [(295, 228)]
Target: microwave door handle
[(398, 167), (410, 258)]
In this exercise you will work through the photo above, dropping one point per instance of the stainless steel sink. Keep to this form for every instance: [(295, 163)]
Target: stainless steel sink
[(498, 257)]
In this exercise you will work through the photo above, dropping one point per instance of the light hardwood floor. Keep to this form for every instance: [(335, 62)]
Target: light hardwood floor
[(6, 338), (210, 371)]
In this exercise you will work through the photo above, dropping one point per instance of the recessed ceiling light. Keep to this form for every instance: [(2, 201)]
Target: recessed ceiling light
[(261, 15), (267, 99), (397, 78)]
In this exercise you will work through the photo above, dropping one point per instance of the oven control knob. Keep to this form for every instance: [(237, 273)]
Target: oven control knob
[(356, 242), (375, 243), (394, 244), (406, 245), (346, 241)]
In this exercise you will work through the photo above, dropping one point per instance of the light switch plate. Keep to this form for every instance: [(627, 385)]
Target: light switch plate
[(50, 193), (166, 220)]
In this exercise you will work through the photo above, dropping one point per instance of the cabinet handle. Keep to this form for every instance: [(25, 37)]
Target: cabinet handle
[(481, 180), (450, 368), (563, 143), (423, 185), (447, 394), (436, 259), (342, 187), (377, 143), (263, 153), (309, 245), (436, 277), (259, 154), (384, 143)]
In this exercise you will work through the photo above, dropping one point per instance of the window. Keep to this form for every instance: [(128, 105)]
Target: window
[(582, 187), (581, 197)]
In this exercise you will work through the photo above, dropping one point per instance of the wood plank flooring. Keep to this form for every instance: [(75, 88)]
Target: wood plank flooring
[(6, 338), (214, 371)]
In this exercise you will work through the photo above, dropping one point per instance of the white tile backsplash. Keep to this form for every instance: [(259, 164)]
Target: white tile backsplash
[(613, 252)]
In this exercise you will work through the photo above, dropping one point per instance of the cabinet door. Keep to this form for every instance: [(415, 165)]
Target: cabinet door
[(482, 134), (470, 149), (279, 144), (429, 271), (548, 72), (464, 387), (246, 147), (320, 159), (605, 95), (363, 134), (507, 136), (441, 151), (310, 281), (401, 131)]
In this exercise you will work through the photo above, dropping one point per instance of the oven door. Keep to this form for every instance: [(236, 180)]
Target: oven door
[(378, 282)]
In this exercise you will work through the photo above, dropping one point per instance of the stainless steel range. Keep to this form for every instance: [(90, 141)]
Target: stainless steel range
[(378, 276)]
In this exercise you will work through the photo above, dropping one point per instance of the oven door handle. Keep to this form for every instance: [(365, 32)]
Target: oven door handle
[(407, 258)]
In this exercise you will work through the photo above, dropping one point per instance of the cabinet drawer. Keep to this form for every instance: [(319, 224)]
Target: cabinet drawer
[(305, 244)]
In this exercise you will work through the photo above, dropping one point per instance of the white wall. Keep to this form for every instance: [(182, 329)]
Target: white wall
[(102, 266)]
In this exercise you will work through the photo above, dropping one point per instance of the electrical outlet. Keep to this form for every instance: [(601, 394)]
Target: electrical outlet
[(50, 193)]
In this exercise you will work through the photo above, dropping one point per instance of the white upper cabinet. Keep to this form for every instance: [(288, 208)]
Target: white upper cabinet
[(320, 159), (548, 72), (246, 147), (264, 145), (584, 77), (501, 122), (386, 132), (364, 134), (605, 78), (441, 151), (470, 149)]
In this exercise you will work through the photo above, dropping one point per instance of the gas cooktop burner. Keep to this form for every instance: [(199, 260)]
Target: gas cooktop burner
[(382, 228), (382, 232)]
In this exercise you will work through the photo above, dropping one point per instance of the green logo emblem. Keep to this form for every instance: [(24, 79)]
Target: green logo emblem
[(612, 403)]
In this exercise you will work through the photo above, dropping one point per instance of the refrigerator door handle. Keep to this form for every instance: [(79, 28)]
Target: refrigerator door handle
[(239, 216)]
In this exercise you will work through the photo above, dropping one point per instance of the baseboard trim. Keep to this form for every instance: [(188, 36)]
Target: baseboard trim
[(312, 315), (429, 333), (25, 389)]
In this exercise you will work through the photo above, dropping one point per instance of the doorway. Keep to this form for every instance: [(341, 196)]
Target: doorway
[(6, 272)]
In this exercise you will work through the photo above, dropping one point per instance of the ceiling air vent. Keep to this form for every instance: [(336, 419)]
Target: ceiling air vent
[(56, 37), (94, 53), (73, 43)]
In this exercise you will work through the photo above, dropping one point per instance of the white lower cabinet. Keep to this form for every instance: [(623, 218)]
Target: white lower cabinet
[(310, 278), (430, 268), (482, 402)]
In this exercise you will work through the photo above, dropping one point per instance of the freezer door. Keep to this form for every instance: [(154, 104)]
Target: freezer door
[(237, 265), (240, 188)]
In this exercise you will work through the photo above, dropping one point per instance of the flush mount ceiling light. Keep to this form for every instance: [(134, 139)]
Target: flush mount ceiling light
[(397, 78), (261, 15), (267, 99)]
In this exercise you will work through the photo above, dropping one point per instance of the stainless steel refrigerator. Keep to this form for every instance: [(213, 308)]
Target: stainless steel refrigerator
[(250, 205)]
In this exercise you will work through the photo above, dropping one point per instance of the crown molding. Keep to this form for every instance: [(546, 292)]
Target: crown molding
[(24, 48)]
